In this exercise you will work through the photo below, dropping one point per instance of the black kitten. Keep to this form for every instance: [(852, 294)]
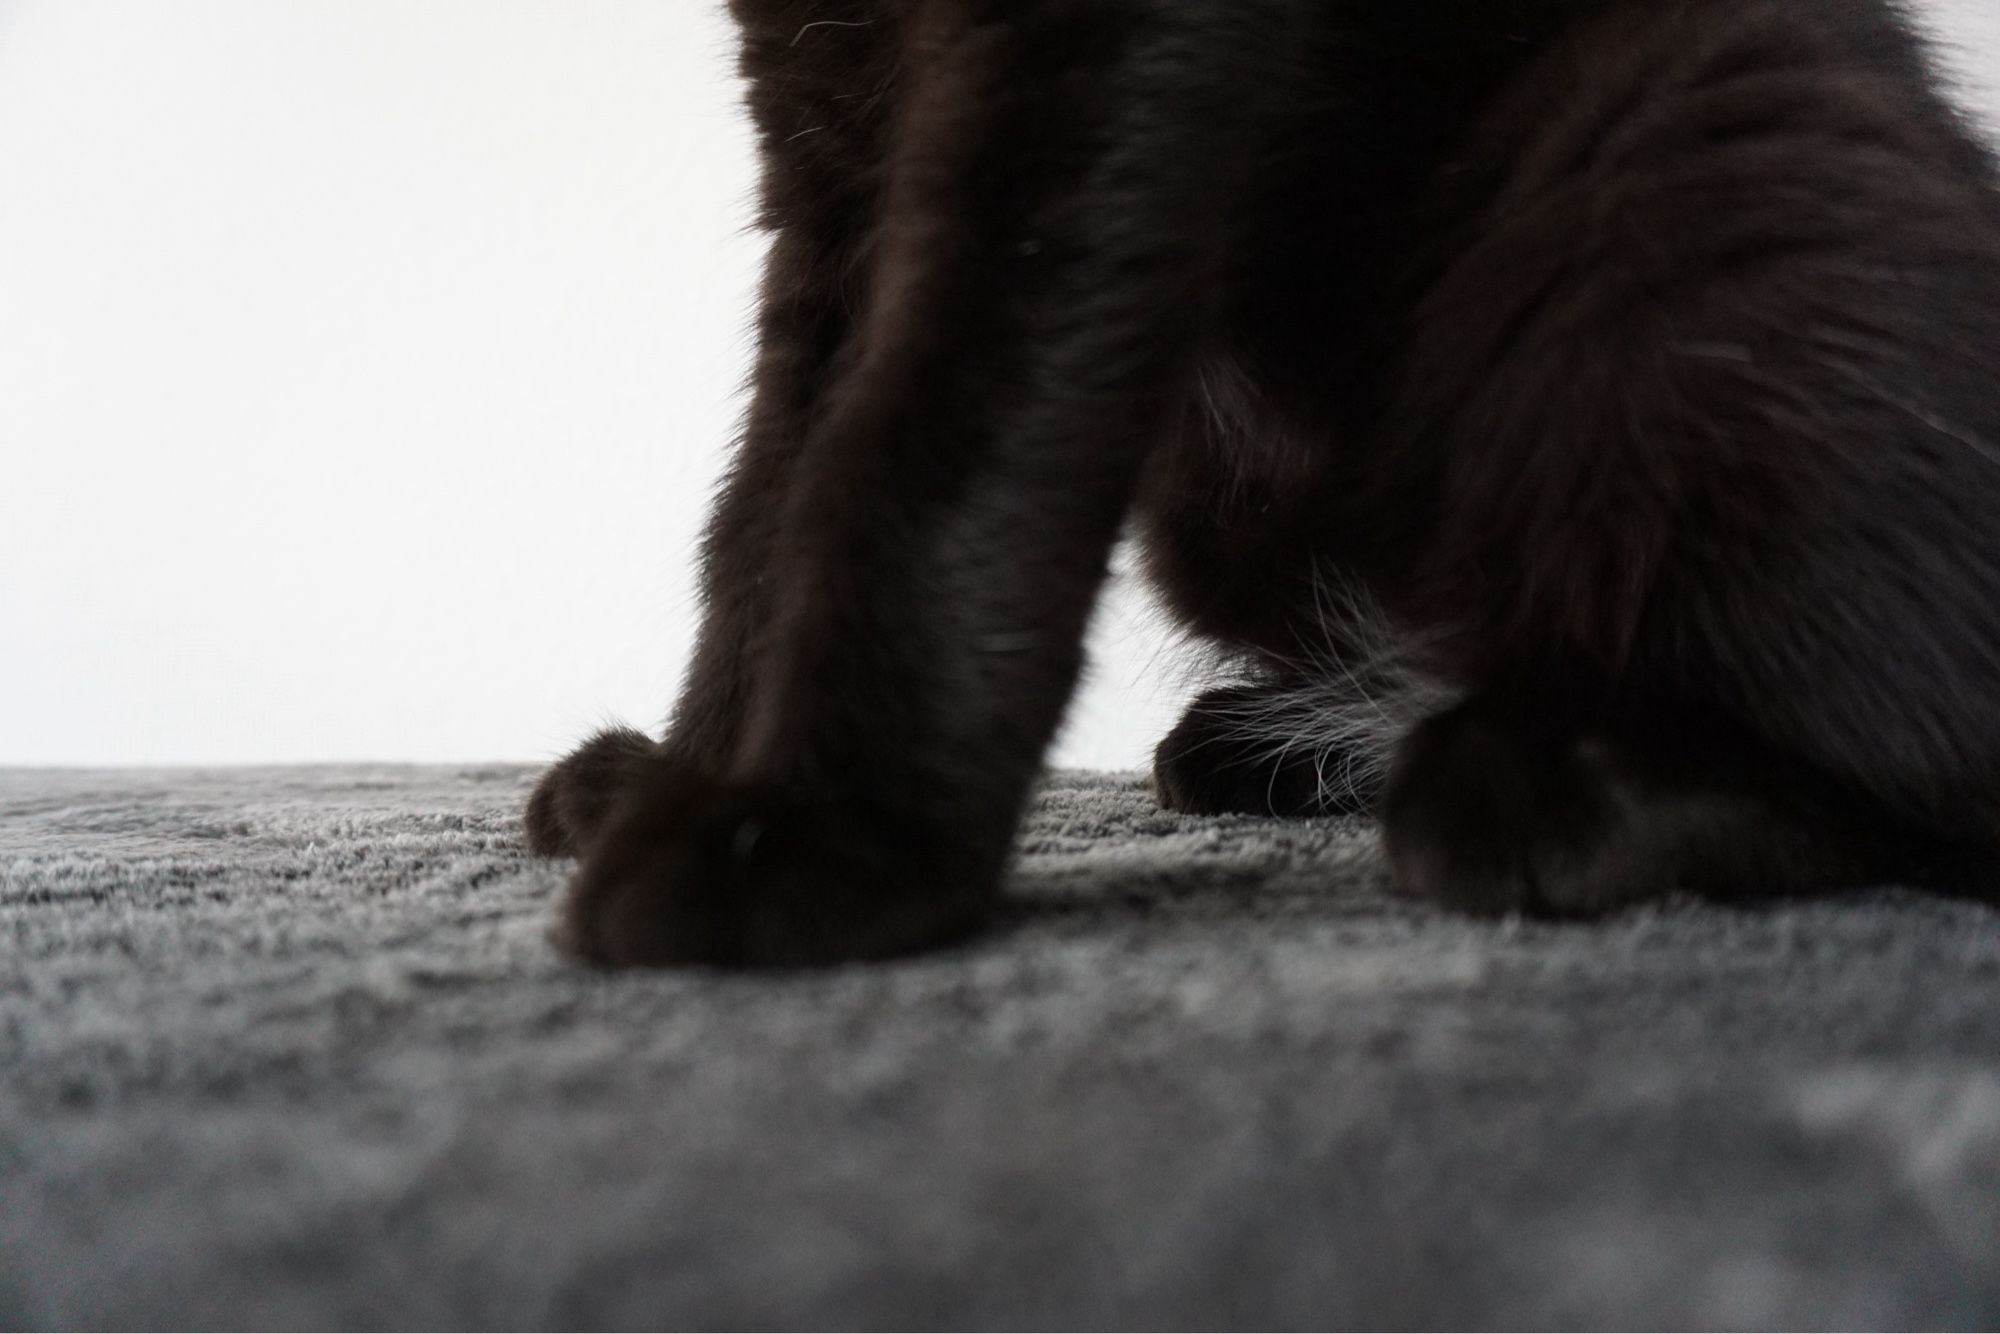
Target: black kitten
[(1609, 380)]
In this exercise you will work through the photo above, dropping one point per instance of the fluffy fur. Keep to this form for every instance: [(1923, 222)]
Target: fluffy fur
[(1587, 403)]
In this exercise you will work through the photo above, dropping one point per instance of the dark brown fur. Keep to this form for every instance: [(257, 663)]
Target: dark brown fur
[(1614, 377)]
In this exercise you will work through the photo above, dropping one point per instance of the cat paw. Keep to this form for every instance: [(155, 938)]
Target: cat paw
[(1491, 812), (688, 871), (1223, 759), (578, 792)]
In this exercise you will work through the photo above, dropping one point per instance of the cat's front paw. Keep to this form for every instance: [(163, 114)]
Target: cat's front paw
[(579, 791), (1238, 751), (690, 871)]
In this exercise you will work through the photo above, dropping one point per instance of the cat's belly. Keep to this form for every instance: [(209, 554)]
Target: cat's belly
[(1240, 523)]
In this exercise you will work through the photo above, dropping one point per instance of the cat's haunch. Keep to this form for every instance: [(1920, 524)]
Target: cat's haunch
[(1577, 420)]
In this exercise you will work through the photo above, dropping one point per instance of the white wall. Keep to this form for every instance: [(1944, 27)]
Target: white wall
[(364, 366)]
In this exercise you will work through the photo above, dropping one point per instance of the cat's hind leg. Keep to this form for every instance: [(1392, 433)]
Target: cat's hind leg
[(1284, 746), (1311, 729), (1698, 400), (1236, 751), (1502, 805)]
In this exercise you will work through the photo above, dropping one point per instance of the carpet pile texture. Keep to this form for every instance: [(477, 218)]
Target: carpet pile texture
[(287, 1047)]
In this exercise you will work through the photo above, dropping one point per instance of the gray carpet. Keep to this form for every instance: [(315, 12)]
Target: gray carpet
[(286, 1048)]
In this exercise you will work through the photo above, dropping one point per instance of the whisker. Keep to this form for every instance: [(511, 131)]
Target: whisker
[(830, 23)]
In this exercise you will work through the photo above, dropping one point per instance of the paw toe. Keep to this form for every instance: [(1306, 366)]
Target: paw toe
[(656, 887), (571, 802)]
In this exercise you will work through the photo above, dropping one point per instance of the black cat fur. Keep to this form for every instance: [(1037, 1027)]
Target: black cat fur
[(1610, 380)]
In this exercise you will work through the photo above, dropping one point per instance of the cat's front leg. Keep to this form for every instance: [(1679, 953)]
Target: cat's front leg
[(820, 199), (577, 794), (1051, 244), (805, 321)]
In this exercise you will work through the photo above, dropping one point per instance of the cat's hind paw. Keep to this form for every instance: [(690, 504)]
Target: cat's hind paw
[(1230, 754), (1494, 811)]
